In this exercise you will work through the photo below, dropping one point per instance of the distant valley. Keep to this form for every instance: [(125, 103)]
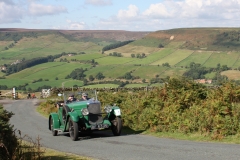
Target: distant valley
[(76, 58)]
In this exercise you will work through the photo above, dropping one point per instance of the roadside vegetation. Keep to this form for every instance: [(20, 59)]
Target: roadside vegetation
[(14, 146), (178, 109)]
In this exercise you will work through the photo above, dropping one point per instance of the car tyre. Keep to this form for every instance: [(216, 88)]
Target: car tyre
[(73, 130), (116, 126), (54, 132)]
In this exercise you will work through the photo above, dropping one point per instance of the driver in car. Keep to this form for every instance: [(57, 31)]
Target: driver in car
[(71, 98)]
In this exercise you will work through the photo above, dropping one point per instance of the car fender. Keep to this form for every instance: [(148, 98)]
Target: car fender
[(55, 121), (74, 116)]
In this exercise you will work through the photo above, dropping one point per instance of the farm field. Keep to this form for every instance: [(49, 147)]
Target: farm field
[(199, 57), (136, 85), (49, 71), (129, 49), (101, 86), (84, 57), (43, 46), (56, 83), (119, 70), (112, 60), (149, 71), (174, 44), (13, 82), (173, 72), (223, 58), (95, 70), (153, 57), (232, 74), (174, 58)]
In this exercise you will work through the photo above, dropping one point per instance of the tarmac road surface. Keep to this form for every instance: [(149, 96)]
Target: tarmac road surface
[(104, 146)]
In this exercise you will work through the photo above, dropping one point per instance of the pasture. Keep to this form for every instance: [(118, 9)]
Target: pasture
[(197, 57), (119, 70), (48, 71), (174, 58), (129, 49), (42, 46), (112, 60), (153, 57), (101, 86), (148, 71), (223, 58), (131, 85), (173, 72), (56, 83), (232, 74), (84, 57)]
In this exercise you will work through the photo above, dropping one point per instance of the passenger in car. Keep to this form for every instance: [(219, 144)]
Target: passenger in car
[(84, 97)]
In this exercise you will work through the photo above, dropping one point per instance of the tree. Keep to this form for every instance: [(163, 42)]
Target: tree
[(91, 78), (85, 81), (128, 75), (160, 46), (99, 76), (7, 137), (133, 55)]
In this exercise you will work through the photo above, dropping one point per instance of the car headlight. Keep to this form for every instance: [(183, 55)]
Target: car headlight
[(108, 109), (85, 111)]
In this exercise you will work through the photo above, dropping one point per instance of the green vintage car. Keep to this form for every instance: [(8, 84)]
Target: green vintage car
[(84, 116)]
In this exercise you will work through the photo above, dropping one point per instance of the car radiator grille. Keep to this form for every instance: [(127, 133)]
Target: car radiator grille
[(95, 115)]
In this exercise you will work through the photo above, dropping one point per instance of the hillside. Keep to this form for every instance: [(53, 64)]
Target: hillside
[(150, 58)]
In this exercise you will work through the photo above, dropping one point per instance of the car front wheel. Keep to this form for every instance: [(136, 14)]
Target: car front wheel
[(116, 126), (73, 130), (54, 132)]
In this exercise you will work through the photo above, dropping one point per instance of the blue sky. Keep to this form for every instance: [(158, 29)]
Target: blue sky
[(131, 15)]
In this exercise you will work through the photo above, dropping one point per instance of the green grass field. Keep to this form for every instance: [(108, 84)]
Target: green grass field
[(84, 57), (173, 72), (153, 57), (129, 49), (101, 86), (174, 58), (49, 71), (136, 85), (148, 71), (174, 44), (111, 60), (119, 70), (197, 57), (223, 58)]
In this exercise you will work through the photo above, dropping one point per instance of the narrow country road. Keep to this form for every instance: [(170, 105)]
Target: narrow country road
[(102, 145)]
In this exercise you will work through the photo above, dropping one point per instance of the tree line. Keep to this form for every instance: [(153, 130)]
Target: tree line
[(115, 45)]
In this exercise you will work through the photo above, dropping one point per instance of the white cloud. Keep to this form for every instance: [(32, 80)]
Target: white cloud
[(99, 2), (41, 10), (176, 14), (10, 12), (72, 25), (131, 13), (158, 10)]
